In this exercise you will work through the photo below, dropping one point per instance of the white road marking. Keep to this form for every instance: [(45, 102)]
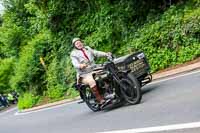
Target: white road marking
[(174, 77), (48, 108), (159, 128), (10, 110)]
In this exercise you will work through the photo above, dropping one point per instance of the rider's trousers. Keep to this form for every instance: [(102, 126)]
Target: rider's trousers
[(88, 80)]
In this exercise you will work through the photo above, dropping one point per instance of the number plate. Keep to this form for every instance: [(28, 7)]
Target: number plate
[(134, 66)]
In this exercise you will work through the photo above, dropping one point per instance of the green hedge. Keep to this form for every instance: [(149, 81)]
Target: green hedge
[(27, 100), (33, 29)]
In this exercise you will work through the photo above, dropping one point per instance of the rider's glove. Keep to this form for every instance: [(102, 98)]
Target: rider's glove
[(109, 54)]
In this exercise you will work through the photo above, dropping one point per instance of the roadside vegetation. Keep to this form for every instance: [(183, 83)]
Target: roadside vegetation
[(35, 39)]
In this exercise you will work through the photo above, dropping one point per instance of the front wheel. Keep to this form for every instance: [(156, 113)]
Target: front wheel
[(131, 89), (90, 99)]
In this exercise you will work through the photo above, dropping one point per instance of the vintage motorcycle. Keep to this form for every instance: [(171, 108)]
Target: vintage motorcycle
[(118, 79)]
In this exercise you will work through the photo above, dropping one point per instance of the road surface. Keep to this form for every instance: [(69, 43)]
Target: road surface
[(171, 105)]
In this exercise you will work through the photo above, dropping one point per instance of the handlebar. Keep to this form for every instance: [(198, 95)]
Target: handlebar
[(98, 67), (110, 58)]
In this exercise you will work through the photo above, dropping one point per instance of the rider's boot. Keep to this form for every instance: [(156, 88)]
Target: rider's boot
[(95, 91), (99, 98)]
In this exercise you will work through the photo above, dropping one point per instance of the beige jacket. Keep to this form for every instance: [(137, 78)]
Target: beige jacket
[(78, 58)]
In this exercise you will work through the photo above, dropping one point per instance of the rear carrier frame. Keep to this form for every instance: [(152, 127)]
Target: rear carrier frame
[(138, 64)]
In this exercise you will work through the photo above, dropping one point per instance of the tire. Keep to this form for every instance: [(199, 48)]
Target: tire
[(90, 99), (131, 89)]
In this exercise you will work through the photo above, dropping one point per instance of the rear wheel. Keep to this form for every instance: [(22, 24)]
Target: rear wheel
[(131, 89), (90, 99)]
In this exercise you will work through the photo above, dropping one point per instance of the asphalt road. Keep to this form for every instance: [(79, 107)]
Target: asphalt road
[(165, 103)]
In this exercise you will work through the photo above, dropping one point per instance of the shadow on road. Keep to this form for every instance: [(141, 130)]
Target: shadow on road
[(148, 89), (145, 90)]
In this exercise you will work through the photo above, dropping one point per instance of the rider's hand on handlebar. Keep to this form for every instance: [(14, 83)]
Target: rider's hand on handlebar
[(109, 54), (82, 66)]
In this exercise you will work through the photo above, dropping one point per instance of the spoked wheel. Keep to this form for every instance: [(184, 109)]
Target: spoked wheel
[(130, 89), (90, 100)]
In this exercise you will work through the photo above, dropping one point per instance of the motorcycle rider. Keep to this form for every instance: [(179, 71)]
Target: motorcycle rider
[(82, 58)]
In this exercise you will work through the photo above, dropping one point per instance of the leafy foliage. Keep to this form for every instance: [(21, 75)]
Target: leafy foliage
[(6, 71), (35, 39), (27, 100)]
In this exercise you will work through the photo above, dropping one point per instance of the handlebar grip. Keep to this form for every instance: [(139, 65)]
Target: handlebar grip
[(110, 58)]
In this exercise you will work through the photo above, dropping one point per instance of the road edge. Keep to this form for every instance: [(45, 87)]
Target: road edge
[(49, 105), (157, 76), (176, 71)]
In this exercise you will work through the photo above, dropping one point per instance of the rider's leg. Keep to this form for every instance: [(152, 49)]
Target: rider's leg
[(95, 91), (89, 80)]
